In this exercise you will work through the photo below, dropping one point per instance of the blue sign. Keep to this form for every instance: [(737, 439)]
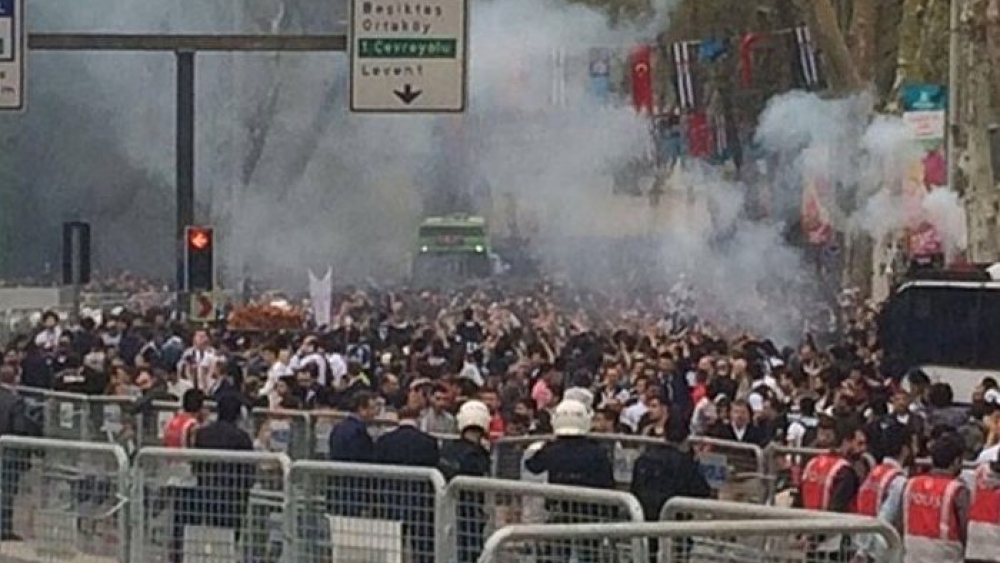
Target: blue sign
[(923, 97), (7, 8)]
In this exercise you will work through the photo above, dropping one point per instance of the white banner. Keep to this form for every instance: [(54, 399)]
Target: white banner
[(321, 296), (926, 125)]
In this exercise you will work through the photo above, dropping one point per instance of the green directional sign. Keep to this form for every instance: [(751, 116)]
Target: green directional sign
[(408, 56), (409, 48)]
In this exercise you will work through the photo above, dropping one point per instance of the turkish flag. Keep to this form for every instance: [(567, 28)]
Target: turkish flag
[(642, 78)]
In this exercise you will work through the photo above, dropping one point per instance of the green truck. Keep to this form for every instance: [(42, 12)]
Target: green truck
[(453, 248)]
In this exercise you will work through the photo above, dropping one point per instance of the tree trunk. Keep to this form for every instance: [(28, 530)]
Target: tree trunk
[(823, 23), (975, 162), (992, 29), (862, 34)]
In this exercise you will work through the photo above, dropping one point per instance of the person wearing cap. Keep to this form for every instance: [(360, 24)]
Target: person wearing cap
[(468, 456), (573, 459)]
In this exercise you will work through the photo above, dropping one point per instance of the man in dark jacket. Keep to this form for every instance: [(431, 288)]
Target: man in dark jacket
[(411, 502), (351, 442), (223, 490), (662, 473), (741, 427)]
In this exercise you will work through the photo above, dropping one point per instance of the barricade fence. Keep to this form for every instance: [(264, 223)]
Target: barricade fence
[(475, 507), (361, 512), (866, 547), (65, 499), (775, 541), (71, 499), (205, 505), (736, 471)]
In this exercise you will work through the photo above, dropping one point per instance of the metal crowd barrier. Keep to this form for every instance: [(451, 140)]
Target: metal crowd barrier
[(208, 505), (66, 500), (80, 501), (341, 511), (737, 471), (478, 506), (680, 508), (506, 544)]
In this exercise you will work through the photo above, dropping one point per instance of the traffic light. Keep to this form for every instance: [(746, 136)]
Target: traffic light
[(199, 262)]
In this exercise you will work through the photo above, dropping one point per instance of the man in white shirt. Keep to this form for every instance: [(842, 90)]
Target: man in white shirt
[(48, 338), (336, 363), (198, 363), (309, 353), (276, 369), (633, 413)]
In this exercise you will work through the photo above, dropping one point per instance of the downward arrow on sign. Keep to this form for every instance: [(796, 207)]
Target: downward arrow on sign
[(407, 94)]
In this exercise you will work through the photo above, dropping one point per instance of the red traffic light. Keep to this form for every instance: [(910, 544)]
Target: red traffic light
[(199, 238)]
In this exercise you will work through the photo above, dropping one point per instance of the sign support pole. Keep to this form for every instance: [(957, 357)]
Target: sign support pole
[(184, 166), (184, 47)]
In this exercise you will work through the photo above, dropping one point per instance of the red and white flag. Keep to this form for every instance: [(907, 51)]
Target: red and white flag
[(640, 59)]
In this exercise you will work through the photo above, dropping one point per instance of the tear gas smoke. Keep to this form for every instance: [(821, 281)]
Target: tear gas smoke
[(294, 181)]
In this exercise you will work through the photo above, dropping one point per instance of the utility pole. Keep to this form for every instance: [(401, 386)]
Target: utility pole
[(184, 47)]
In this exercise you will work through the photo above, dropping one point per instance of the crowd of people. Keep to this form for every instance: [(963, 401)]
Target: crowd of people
[(489, 362)]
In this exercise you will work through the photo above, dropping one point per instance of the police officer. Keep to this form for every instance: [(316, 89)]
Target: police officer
[(935, 508), (983, 545), (573, 459), (411, 503), (829, 482), (469, 457)]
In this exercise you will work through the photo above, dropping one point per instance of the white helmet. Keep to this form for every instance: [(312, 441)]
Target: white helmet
[(473, 414), (580, 395), (571, 418)]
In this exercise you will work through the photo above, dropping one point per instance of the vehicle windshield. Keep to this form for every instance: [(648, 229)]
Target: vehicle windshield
[(945, 324)]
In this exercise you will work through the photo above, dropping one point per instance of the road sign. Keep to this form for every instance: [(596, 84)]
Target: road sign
[(12, 46), (202, 307), (409, 56)]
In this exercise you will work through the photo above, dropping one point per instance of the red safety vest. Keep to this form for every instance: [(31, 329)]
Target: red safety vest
[(817, 480), (983, 543), (177, 428), (875, 488), (930, 527)]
